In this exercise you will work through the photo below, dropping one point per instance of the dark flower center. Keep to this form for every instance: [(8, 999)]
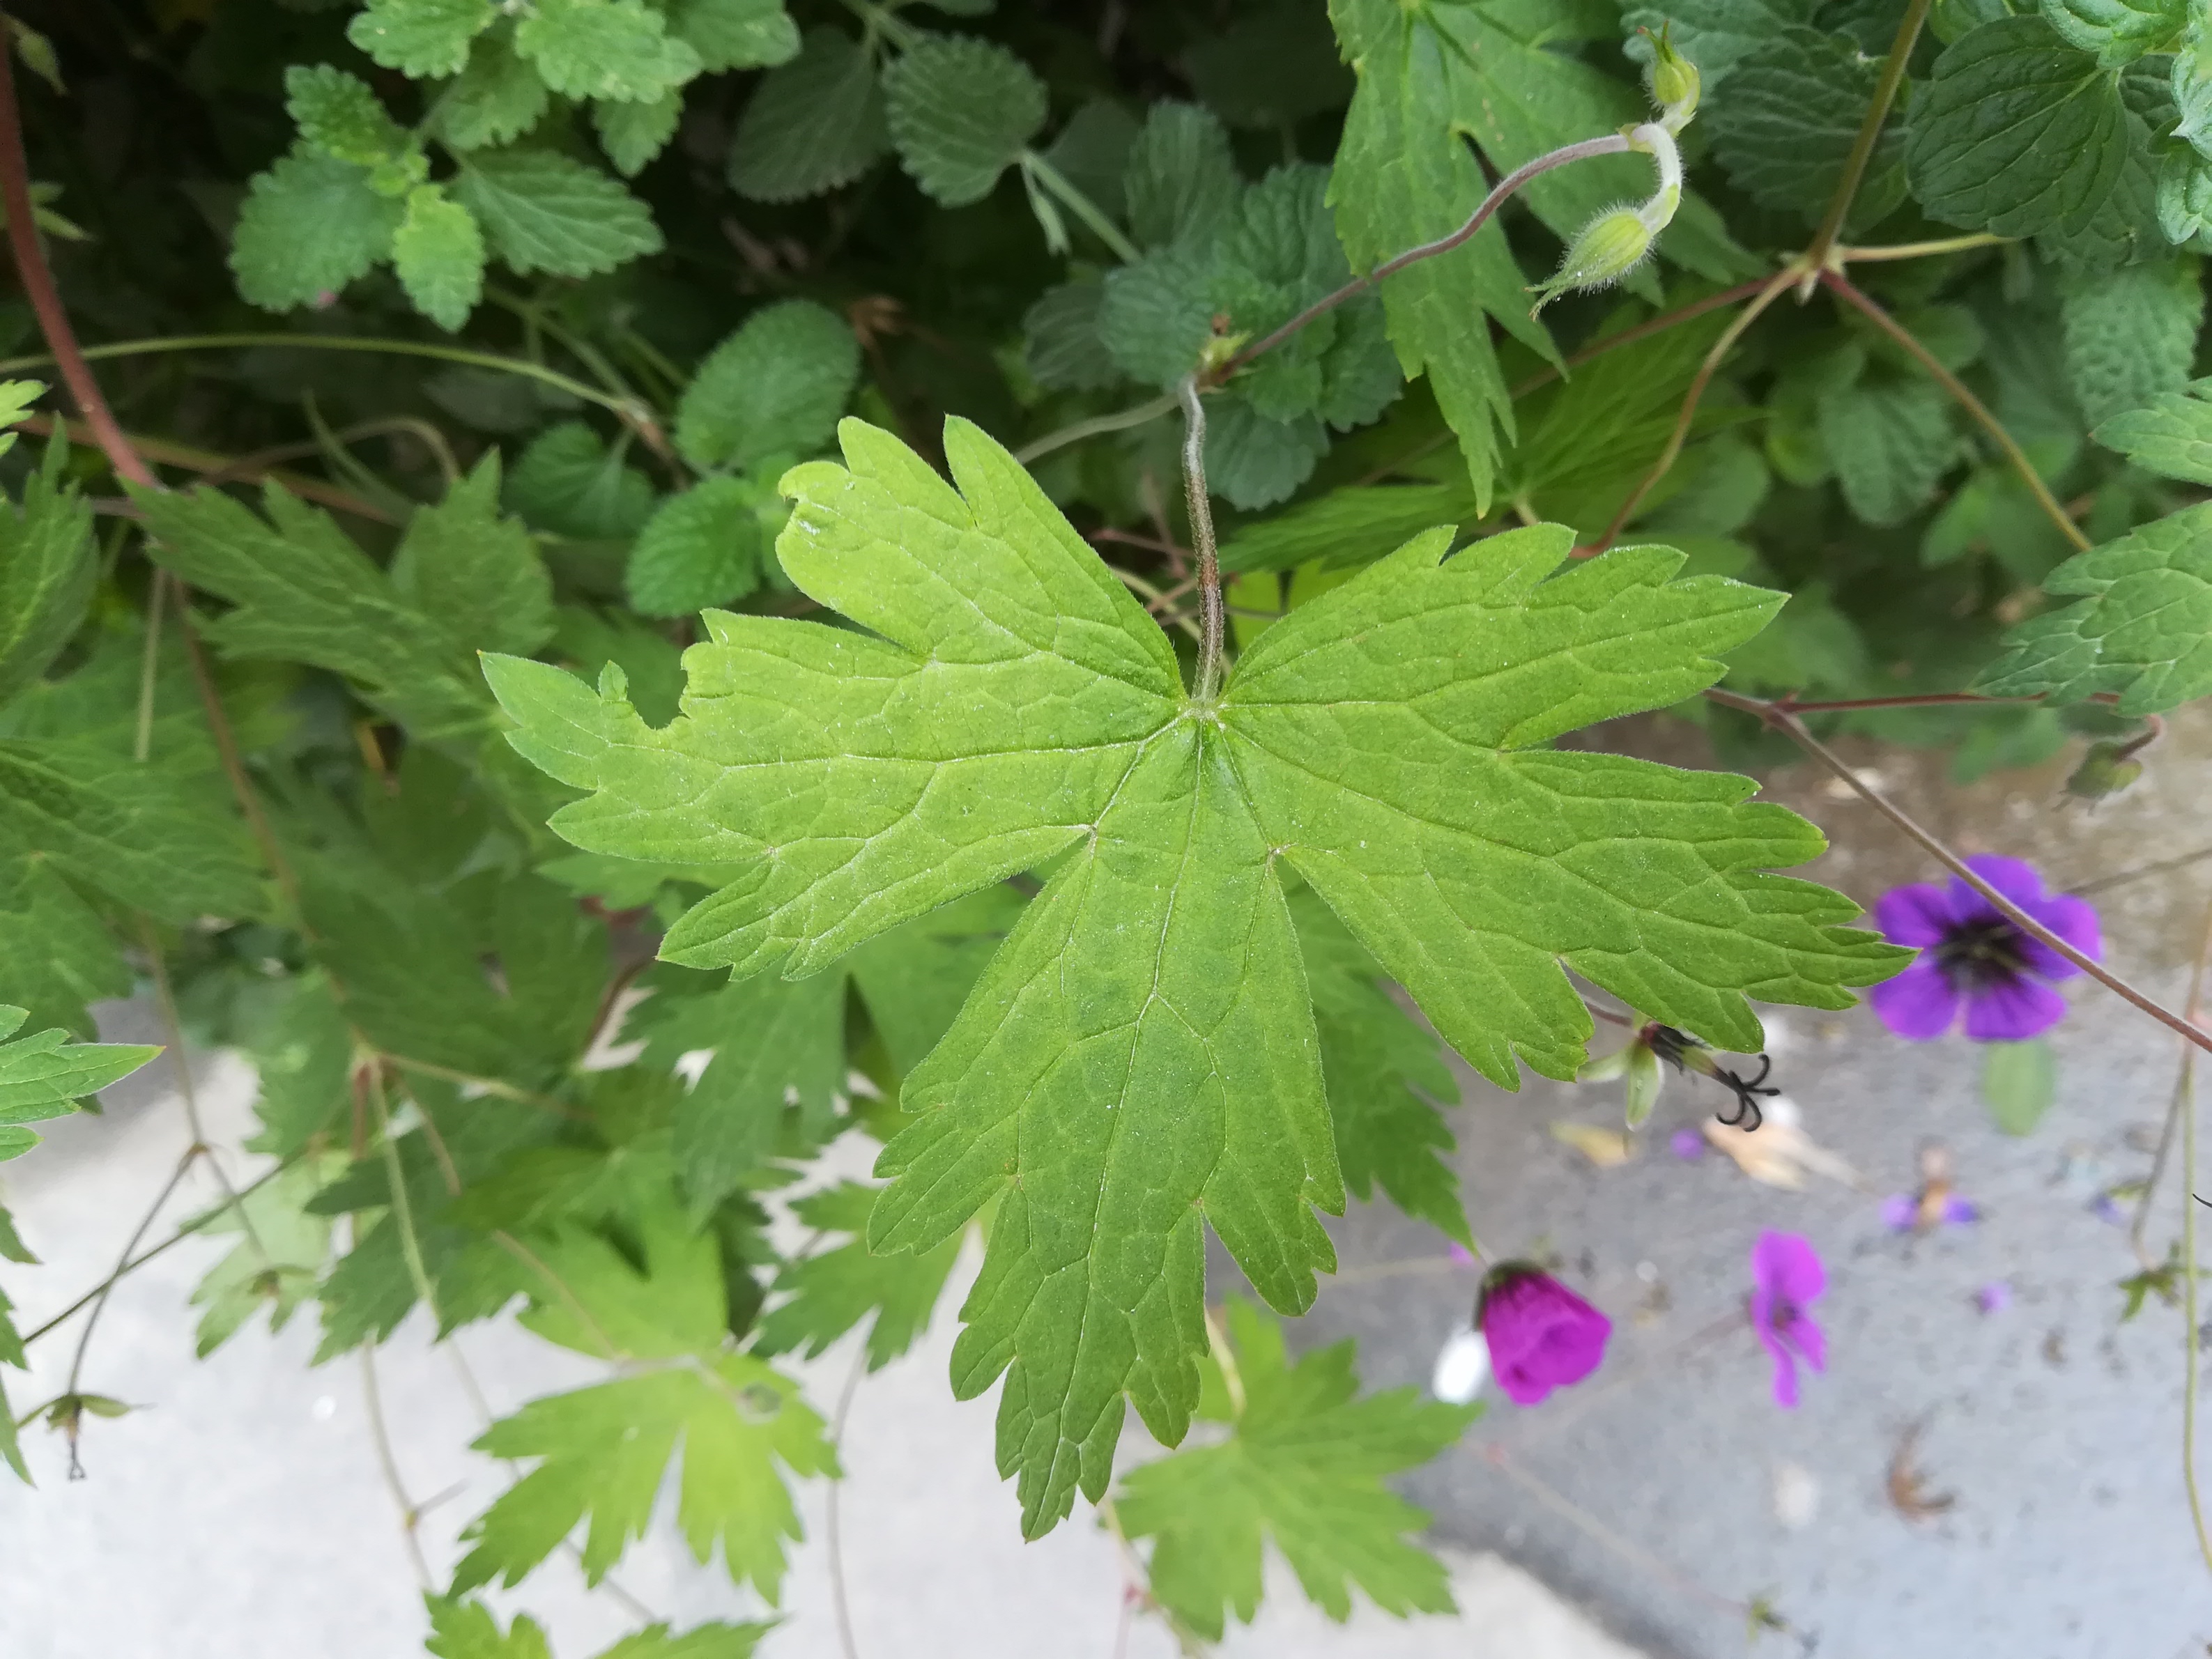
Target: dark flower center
[(1982, 954)]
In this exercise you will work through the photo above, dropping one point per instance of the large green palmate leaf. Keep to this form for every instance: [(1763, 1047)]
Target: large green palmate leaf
[(1141, 1055)]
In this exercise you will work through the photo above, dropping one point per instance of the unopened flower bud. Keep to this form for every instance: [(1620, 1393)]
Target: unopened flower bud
[(2105, 770), (1612, 244), (1674, 81)]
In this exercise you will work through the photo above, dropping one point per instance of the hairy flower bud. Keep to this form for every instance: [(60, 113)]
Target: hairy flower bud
[(1612, 244), (1674, 81), (2108, 768)]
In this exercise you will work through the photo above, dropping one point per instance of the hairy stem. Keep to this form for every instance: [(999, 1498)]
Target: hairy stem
[(1885, 93), (1614, 143), (1212, 623), (1767, 296), (1787, 723), (1837, 284)]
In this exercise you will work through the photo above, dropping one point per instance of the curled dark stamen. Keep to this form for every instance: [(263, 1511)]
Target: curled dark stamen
[(1748, 1115), (1685, 1054)]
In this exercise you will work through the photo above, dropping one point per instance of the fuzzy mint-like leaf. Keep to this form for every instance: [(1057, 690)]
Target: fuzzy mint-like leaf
[(541, 211), (613, 49), (633, 134), (47, 569), (1303, 1468), (701, 547), (421, 38), (496, 98), (961, 112), (1891, 441), (1141, 1056), (813, 123), (438, 253), (731, 34), (776, 386), (2172, 436), (2142, 631), (1714, 34), (2017, 132), (310, 225), (571, 484), (339, 113), (1180, 180), (2130, 335), (1791, 116), (2117, 31)]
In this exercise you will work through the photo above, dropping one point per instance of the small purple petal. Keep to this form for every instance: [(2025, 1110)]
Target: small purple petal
[(1899, 1211), (1687, 1145), (1460, 1255), (2074, 919), (1918, 1004), (1804, 1332), (1785, 1364), (1960, 1212), (1915, 915), (1994, 1297), (2015, 877), (2012, 1010), (1786, 1265)]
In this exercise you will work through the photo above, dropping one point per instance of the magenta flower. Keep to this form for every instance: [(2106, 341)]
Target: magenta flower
[(1787, 1278), (1969, 953), (1542, 1336)]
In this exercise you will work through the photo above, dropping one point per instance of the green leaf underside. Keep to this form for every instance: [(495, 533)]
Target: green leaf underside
[(1304, 1468), (1143, 1048)]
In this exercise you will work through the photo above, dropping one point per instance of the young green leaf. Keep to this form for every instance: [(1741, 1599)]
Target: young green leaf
[(438, 253), (731, 34), (633, 134), (542, 211), (45, 1075), (776, 386), (338, 113), (1385, 1077), (836, 1287), (715, 1641), (48, 569), (421, 38), (700, 549), (813, 123), (2142, 631), (570, 483), (617, 50), (2131, 336), (961, 113), (310, 225), (1356, 525), (1305, 1466), (278, 1257), (476, 576), (2017, 132), (1012, 704), (498, 97)]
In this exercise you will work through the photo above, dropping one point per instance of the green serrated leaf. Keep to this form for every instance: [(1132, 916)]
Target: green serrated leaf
[(438, 252), (1180, 181), (544, 212), (776, 386), (338, 113), (61, 957), (604, 1452), (2117, 31), (1793, 111), (812, 124), (2143, 631), (715, 1641), (961, 112), (570, 483), (1061, 341), (48, 569), (1305, 1468), (1891, 442), (1157, 315), (2124, 226), (1356, 525), (2172, 436), (617, 50), (633, 134), (1108, 1082), (278, 1257), (701, 547), (43, 1076), (303, 1061), (2017, 132), (2130, 335), (731, 34), (467, 1630), (310, 225), (497, 97), (2019, 1081), (421, 37), (2190, 81), (2183, 199), (475, 575), (836, 1287), (1253, 461)]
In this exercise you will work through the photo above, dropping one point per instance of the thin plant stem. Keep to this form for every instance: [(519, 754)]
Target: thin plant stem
[(1842, 286), (2186, 1092), (161, 450), (388, 1463), (833, 1538), (403, 1208), (2164, 866), (165, 1005), (1915, 700), (1855, 256), (1212, 623), (1232, 1379), (1794, 728), (149, 664), (444, 353), (1081, 206), (1157, 597), (1644, 331), (1736, 330), (125, 1269), (1612, 144), (490, 1085), (1097, 426), (257, 465), (107, 1287), (1869, 133)]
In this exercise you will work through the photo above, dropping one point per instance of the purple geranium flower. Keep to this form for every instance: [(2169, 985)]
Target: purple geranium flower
[(1970, 953), (1787, 1278), (1541, 1335)]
